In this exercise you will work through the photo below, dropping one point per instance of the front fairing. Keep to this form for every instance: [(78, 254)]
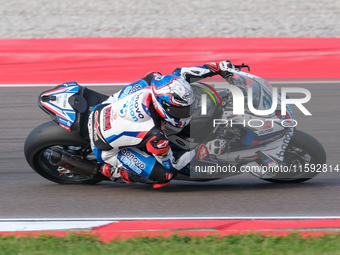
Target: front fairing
[(262, 96), (260, 129)]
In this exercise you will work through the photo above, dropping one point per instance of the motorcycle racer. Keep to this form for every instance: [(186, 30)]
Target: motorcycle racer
[(135, 117)]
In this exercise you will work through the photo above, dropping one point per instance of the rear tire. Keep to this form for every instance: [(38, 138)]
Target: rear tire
[(38, 144), (302, 149)]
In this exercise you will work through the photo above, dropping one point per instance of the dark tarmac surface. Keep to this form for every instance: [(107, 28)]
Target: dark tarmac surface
[(25, 194)]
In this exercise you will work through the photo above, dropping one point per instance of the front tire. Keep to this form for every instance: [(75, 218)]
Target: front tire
[(40, 141), (303, 149)]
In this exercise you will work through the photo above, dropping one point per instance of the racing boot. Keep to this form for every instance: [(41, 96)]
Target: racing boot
[(115, 174), (120, 175), (168, 177)]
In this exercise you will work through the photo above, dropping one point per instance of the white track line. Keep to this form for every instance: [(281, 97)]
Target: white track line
[(50, 225), (124, 84)]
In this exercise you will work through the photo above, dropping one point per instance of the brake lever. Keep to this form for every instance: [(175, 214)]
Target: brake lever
[(239, 67)]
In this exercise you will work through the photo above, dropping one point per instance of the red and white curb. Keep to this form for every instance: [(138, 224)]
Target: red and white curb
[(108, 229), (54, 60)]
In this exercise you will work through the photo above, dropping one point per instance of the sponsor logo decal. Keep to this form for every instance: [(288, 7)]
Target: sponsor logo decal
[(130, 90), (180, 142), (134, 108), (285, 143), (63, 126), (131, 161), (107, 118), (65, 122), (123, 110), (267, 124), (266, 131), (66, 84), (96, 132), (267, 127), (269, 161)]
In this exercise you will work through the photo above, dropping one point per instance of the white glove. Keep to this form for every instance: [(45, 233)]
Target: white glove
[(216, 147), (226, 66)]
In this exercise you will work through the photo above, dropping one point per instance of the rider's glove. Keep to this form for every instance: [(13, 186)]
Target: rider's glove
[(214, 147), (226, 66), (222, 68)]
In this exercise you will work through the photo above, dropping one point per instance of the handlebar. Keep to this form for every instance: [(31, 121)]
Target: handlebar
[(239, 67), (226, 75)]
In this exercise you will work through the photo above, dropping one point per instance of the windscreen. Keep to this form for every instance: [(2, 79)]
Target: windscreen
[(244, 83)]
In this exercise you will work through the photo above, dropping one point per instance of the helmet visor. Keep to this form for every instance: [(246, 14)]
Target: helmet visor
[(177, 112)]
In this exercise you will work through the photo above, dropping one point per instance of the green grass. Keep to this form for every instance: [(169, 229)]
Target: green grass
[(233, 244)]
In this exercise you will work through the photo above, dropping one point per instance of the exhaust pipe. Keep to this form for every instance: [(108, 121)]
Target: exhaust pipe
[(73, 163)]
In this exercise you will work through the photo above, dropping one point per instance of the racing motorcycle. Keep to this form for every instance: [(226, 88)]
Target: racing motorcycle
[(273, 149)]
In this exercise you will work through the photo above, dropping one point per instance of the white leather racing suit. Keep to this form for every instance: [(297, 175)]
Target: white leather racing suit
[(125, 129)]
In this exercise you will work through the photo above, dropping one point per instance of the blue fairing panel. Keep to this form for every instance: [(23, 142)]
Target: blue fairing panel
[(137, 162)]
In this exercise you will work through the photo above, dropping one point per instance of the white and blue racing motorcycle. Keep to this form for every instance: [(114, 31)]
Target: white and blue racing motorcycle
[(269, 147)]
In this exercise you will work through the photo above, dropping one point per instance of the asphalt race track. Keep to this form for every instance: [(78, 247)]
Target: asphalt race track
[(24, 194)]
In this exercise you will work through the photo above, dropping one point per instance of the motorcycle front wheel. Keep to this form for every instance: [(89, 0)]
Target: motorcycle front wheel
[(37, 148), (304, 159)]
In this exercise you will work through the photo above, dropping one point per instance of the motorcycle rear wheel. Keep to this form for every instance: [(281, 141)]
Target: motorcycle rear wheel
[(303, 149), (40, 141)]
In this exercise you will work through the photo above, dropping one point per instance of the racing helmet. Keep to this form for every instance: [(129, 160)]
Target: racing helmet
[(172, 97)]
